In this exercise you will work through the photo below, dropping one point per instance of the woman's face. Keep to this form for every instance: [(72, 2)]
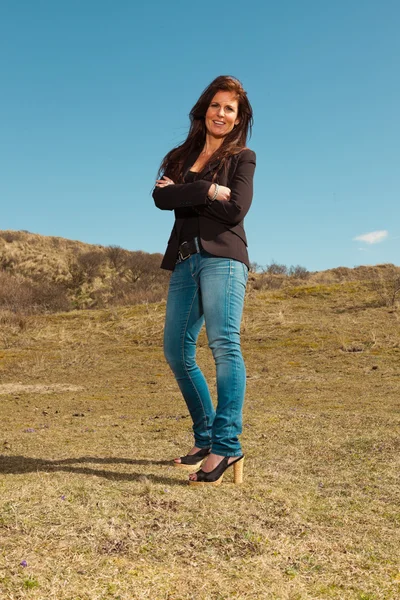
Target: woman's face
[(222, 114)]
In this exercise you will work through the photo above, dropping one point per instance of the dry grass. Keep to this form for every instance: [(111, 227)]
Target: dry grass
[(48, 274), (92, 417)]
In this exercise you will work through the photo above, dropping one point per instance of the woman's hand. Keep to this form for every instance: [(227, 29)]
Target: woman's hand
[(164, 182), (224, 193)]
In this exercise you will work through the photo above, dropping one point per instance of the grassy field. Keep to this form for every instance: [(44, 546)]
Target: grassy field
[(91, 508)]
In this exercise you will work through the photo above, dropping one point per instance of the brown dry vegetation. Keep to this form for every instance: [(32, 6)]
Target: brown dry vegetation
[(91, 417), (39, 273)]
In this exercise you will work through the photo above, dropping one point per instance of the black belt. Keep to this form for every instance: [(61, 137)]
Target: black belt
[(186, 249)]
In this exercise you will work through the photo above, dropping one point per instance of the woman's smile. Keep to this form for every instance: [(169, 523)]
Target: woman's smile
[(222, 114)]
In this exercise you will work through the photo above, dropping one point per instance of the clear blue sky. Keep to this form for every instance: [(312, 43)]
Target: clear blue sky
[(95, 92)]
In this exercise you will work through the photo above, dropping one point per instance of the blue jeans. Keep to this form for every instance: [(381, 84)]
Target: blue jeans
[(206, 288)]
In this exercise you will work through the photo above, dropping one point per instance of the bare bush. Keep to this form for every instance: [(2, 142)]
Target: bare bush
[(90, 263), (268, 281), (141, 280), (116, 255), (20, 295), (140, 266), (16, 293), (76, 275), (275, 268), (255, 267), (298, 272), (49, 296), (274, 275), (137, 264)]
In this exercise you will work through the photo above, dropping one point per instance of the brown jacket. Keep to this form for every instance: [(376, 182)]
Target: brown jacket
[(220, 222)]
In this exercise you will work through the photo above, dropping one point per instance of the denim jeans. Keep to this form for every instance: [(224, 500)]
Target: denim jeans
[(210, 289)]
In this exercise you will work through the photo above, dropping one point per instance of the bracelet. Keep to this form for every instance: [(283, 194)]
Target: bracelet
[(215, 194)]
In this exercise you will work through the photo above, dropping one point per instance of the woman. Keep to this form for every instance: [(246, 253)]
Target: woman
[(208, 182)]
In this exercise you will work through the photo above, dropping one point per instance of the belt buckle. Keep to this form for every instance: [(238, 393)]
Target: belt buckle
[(183, 256)]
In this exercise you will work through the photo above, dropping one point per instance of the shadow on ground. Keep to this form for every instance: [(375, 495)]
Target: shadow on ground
[(16, 465)]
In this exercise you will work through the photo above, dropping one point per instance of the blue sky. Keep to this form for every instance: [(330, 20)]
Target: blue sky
[(95, 92)]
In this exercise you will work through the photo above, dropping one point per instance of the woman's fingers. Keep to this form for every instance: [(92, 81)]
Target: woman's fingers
[(164, 181), (224, 193)]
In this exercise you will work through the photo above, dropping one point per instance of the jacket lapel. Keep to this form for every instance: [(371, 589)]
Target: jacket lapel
[(191, 159), (193, 156), (211, 166)]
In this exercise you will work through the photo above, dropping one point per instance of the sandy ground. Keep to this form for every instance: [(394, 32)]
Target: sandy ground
[(14, 388)]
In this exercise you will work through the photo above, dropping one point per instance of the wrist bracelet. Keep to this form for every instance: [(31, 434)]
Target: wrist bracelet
[(215, 194)]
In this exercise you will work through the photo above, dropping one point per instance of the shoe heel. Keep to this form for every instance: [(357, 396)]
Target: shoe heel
[(238, 471)]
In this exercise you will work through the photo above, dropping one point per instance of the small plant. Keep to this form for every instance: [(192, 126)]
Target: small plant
[(30, 583)]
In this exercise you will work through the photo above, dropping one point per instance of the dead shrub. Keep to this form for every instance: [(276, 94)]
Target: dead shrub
[(16, 293), (20, 295), (255, 267), (298, 272), (275, 268), (49, 296), (90, 263), (144, 267), (116, 255), (139, 265), (268, 281), (275, 275), (76, 274)]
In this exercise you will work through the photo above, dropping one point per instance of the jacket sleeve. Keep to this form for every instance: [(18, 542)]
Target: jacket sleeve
[(182, 195), (233, 211)]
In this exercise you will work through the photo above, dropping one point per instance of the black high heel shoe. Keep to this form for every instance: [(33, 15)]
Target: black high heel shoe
[(215, 476), (191, 462)]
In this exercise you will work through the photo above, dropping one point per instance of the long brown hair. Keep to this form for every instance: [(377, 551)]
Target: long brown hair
[(173, 163)]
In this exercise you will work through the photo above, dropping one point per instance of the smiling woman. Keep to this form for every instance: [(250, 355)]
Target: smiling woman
[(208, 182), (221, 116)]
